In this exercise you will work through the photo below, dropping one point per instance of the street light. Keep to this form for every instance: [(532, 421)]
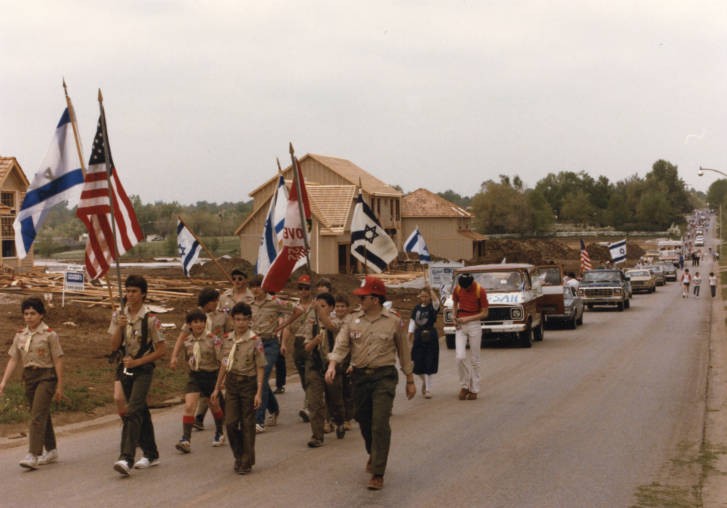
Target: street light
[(702, 170)]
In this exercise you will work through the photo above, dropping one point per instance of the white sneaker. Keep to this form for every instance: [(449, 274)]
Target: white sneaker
[(122, 467), (48, 457), (30, 461), (219, 439), (259, 429), (145, 463), (272, 419)]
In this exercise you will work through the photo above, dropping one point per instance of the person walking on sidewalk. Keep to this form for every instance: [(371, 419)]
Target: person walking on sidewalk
[(424, 339), (686, 281), (470, 307), (38, 349), (375, 339), (696, 282), (713, 284), (138, 332)]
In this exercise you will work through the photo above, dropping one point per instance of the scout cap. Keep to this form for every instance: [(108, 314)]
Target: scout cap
[(371, 286), (304, 280), (465, 280)]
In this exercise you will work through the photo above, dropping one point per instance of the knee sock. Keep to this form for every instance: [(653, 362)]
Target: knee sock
[(219, 420), (187, 422)]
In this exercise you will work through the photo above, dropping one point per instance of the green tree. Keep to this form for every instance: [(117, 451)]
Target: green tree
[(717, 193)]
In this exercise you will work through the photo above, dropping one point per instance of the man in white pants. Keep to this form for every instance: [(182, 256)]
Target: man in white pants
[(470, 307)]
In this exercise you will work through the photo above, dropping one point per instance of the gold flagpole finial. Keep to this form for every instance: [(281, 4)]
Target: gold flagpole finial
[(100, 95)]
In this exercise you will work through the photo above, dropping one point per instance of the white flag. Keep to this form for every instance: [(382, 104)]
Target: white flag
[(618, 251), (416, 244), (272, 236), (59, 179), (188, 247), (369, 242)]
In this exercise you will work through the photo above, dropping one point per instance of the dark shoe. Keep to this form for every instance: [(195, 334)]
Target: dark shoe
[(471, 396), (368, 466), (463, 394), (304, 415), (238, 466), (198, 423), (340, 431), (315, 443), (376, 482), (279, 390), (245, 470)]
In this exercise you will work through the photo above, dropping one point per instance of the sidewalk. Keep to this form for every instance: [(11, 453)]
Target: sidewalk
[(714, 447)]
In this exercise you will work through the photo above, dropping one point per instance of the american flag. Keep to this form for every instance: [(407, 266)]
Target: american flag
[(95, 208), (585, 258)]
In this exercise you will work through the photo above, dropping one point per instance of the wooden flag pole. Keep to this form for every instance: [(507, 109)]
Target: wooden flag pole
[(209, 252), (107, 157), (74, 125)]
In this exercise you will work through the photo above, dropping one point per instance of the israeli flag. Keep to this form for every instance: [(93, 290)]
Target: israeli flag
[(59, 179), (369, 242), (273, 230), (416, 244), (188, 247), (618, 251)]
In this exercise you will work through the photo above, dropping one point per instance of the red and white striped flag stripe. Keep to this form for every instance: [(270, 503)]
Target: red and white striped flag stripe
[(585, 258), (94, 210)]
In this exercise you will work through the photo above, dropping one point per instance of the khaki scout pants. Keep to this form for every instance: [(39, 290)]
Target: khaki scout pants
[(138, 429), (40, 385), (240, 416), (373, 398), (323, 397)]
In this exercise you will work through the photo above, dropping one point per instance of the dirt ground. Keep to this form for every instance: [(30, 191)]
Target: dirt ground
[(82, 327)]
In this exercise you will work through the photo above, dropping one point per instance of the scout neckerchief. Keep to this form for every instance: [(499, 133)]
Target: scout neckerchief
[(231, 356), (196, 349), (30, 334)]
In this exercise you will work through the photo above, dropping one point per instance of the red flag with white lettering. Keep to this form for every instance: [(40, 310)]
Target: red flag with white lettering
[(294, 242)]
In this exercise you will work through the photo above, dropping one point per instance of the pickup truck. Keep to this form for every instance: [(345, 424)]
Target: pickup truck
[(515, 298), (605, 287)]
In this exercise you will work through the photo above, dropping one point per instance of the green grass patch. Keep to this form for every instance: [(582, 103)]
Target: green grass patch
[(660, 495)]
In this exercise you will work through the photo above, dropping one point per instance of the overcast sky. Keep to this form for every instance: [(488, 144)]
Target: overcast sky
[(201, 97)]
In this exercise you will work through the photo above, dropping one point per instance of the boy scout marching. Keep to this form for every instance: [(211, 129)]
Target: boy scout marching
[(228, 350)]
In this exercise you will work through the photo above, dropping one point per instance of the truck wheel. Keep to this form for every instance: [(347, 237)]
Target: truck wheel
[(449, 340), (590, 306), (573, 323), (525, 339), (620, 306)]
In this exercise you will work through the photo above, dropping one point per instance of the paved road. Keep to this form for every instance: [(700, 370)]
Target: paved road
[(585, 418)]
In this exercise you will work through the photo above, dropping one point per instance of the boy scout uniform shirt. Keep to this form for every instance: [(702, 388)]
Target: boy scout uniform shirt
[(372, 342), (204, 353), (132, 336), (265, 314), (37, 348), (227, 299), (302, 326), (248, 356)]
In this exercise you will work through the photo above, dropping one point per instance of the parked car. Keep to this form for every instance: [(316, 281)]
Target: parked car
[(658, 274), (605, 286), (514, 294), (573, 309), (642, 280), (699, 241)]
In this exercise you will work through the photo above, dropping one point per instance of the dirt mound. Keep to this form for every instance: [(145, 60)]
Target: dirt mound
[(534, 251), (211, 269)]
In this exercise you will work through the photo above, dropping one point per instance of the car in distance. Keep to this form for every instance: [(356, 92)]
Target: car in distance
[(514, 294), (573, 309), (658, 273), (605, 286), (670, 271), (642, 280)]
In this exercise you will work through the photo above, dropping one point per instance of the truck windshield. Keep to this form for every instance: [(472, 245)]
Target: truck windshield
[(501, 281), (599, 276)]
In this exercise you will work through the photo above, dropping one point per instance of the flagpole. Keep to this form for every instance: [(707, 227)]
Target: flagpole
[(74, 125), (107, 157), (366, 256), (209, 253), (304, 224)]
